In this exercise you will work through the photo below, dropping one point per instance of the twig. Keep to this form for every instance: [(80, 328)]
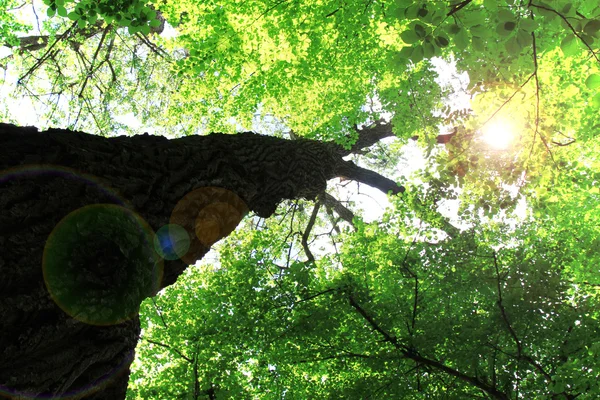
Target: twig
[(166, 346), (520, 354), (345, 213), (47, 54), (306, 234), (537, 98), (566, 20), (412, 354), (91, 67)]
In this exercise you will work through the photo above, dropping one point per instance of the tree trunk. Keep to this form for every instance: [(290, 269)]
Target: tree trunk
[(72, 275)]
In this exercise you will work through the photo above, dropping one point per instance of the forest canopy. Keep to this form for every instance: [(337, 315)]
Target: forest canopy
[(481, 280)]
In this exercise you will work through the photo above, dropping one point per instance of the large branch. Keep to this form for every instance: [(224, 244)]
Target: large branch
[(368, 136), (47, 350), (353, 172)]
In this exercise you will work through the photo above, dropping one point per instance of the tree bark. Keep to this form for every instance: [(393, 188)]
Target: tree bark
[(48, 180)]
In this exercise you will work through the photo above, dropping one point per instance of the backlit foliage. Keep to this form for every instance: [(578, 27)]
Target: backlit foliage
[(496, 299)]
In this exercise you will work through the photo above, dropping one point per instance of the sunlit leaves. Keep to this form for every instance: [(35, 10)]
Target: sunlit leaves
[(321, 68), (569, 45), (593, 81)]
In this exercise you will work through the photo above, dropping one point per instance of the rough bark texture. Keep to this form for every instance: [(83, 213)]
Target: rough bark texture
[(45, 176)]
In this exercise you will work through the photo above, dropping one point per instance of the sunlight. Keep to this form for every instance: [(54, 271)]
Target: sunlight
[(498, 135)]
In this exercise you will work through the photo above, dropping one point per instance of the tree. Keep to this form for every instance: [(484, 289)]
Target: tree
[(495, 300), (73, 307)]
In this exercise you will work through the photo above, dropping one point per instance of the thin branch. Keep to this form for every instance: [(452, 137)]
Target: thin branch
[(415, 303), (537, 99), (503, 310), (341, 210), (47, 54), (333, 12), (306, 234), (331, 357), (566, 20), (91, 67), (412, 354), (196, 377), (508, 100), (154, 48), (457, 7), (159, 313), (174, 350), (520, 354), (387, 336), (17, 7)]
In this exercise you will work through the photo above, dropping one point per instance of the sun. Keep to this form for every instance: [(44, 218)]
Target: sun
[(498, 135)]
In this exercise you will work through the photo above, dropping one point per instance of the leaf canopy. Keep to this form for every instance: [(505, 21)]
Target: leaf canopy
[(497, 298)]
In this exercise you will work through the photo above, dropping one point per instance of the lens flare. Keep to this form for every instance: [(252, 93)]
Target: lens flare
[(498, 135)]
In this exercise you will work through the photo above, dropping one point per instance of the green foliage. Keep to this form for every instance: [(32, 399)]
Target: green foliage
[(9, 26), (136, 15), (502, 295), (255, 327)]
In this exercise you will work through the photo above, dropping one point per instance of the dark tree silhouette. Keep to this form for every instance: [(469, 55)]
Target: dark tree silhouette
[(77, 254)]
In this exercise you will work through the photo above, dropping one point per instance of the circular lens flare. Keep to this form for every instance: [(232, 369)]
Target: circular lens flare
[(498, 135)]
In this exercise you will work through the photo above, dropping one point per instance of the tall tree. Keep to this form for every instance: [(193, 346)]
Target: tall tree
[(495, 299), (74, 275)]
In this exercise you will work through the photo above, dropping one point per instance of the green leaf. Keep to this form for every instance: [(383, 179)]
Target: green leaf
[(546, 11), (409, 37), (150, 15), (61, 11), (505, 15), (405, 52), (478, 44), (50, 12), (528, 24), (474, 17), (592, 28), (461, 40), (510, 26), (417, 54), (501, 30), (480, 31), (491, 5), (81, 23), (453, 29), (420, 31), (442, 41), (593, 81), (145, 29), (569, 45), (412, 11), (513, 47), (428, 50), (73, 16), (587, 39), (155, 23), (523, 38), (569, 10)]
